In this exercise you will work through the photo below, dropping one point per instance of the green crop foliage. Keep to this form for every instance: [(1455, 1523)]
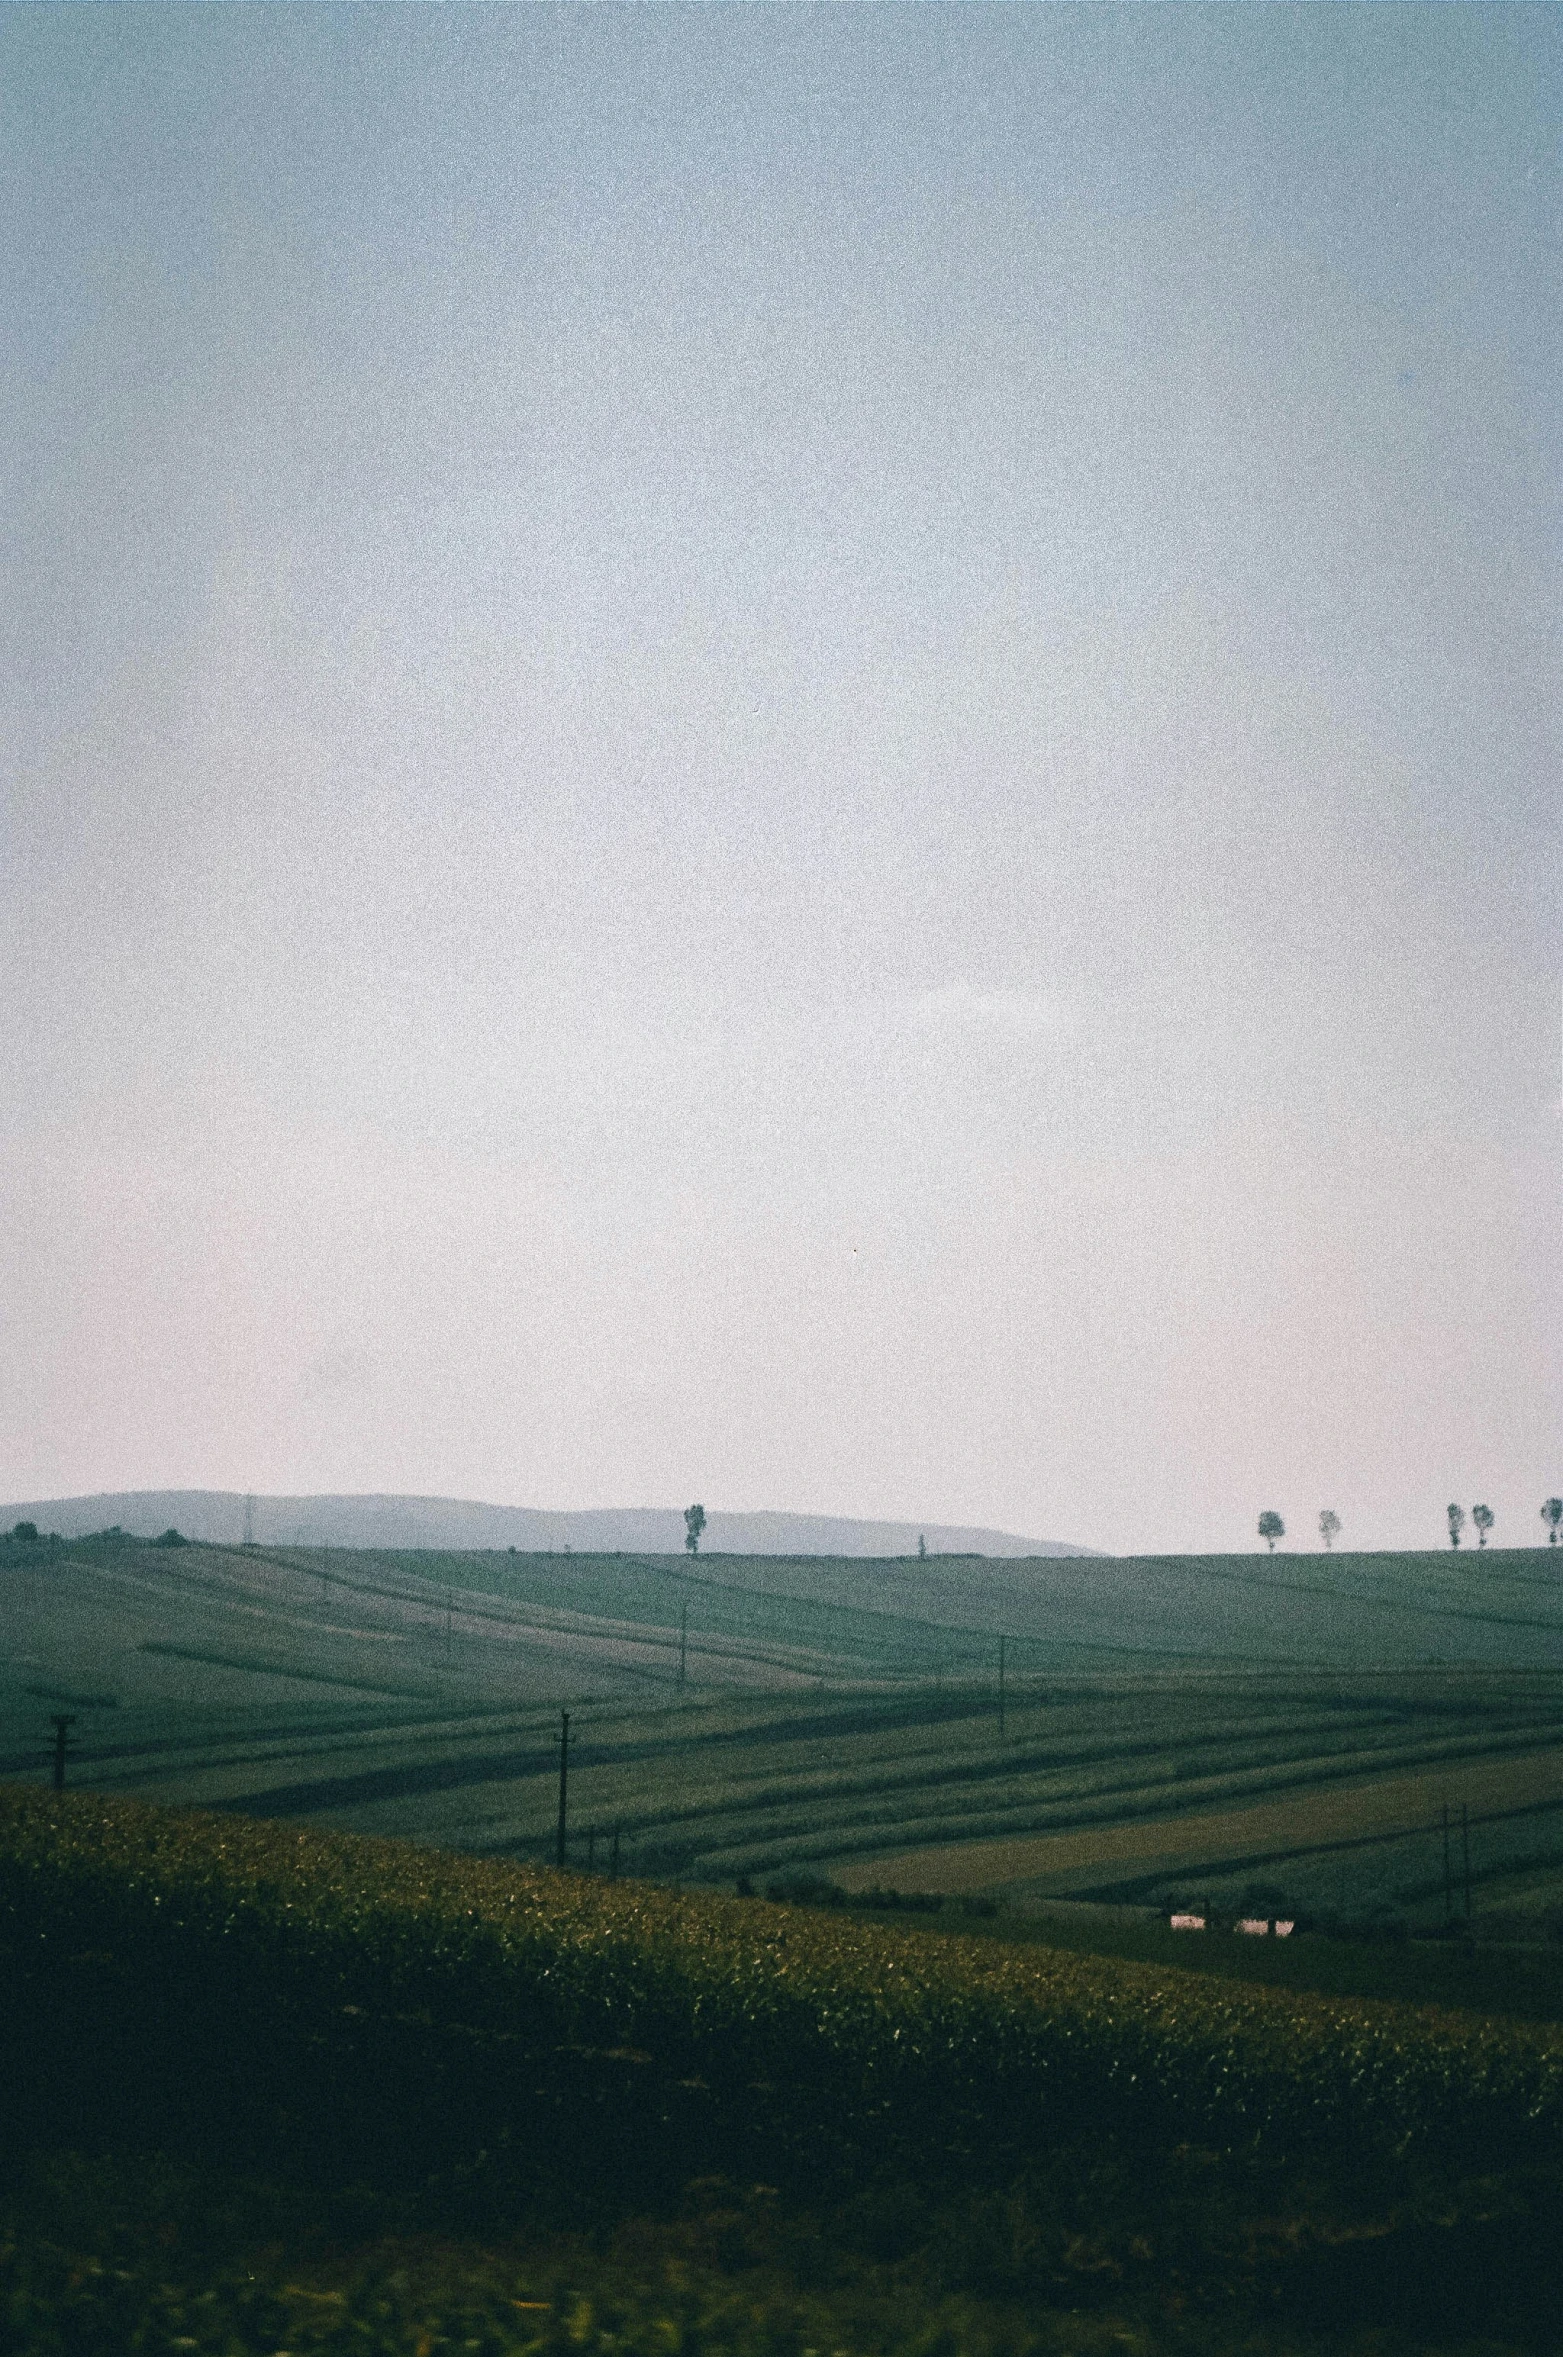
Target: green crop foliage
[(816, 2025), (265, 2087)]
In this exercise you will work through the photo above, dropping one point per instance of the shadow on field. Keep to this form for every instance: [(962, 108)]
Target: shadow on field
[(350, 1789)]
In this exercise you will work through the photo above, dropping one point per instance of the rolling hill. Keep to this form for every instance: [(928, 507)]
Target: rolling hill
[(220, 1516), (737, 1714)]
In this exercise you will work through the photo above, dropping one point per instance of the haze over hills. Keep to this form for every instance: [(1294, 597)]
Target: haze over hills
[(218, 1516)]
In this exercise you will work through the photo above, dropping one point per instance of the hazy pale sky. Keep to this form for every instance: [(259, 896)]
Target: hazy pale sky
[(799, 755)]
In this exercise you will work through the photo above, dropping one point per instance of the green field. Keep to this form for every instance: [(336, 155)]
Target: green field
[(737, 1718), (1518, 1982), (271, 2090)]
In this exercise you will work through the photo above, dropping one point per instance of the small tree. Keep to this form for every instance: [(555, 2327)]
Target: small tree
[(922, 1548), (1483, 1518), (1271, 1528), (1552, 1515), (694, 1524), (1456, 1524), (1329, 1526), (25, 1530)]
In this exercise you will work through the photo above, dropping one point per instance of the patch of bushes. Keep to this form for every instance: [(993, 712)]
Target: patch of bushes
[(817, 1890), (894, 1902), (804, 1890)]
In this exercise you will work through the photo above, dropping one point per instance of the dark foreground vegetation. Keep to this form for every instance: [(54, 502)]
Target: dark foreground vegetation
[(275, 2091), (1522, 1982)]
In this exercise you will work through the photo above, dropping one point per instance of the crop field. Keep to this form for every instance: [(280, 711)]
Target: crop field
[(1368, 1846), (275, 2089), (786, 2010), (751, 1718)]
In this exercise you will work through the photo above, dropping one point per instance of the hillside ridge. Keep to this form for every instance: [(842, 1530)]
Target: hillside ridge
[(383, 1520)]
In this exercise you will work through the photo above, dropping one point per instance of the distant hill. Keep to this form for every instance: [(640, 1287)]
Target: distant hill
[(219, 1516)]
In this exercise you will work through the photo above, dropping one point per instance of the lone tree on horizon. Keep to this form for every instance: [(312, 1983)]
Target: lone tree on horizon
[(1484, 1518), (1456, 1524), (1552, 1515), (694, 1524), (1329, 1526), (1271, 1528)]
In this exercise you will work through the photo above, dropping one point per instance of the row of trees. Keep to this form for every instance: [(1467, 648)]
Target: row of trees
[(1271, 1527), (1482, 1519), (29, 1534)]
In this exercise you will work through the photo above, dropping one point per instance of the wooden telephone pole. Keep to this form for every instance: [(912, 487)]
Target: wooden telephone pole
[(564, 1782), (62, 1723)]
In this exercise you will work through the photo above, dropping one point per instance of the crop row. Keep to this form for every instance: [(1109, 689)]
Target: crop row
[(826, 1814)]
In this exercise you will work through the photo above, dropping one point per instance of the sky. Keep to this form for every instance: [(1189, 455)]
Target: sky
[(805, 756)]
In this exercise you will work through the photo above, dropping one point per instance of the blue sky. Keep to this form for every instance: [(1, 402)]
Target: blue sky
[(799, 755)]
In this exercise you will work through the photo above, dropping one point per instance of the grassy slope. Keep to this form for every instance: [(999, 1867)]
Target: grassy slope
[(618, 1616), (1517, 1983), (331, 2010), (1503, 1606), (418, 1694)]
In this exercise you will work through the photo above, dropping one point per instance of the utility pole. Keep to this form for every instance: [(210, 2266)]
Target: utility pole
[(613, 1868), (1001, 1689), (564, 1782), (1448, 1891), (61, 1722), (683, 1645), (591, 1849)]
